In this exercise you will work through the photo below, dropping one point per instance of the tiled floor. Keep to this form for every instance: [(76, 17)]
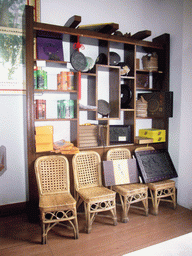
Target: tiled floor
[(19, 237)]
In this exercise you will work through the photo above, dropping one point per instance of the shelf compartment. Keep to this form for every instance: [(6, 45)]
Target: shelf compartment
[(127, 90), (111, 89)]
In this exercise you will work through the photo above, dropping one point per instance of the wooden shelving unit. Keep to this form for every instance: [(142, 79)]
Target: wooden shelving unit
[(104, 43)]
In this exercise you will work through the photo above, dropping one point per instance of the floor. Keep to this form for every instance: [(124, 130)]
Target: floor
[(19, 237), (179, 246)]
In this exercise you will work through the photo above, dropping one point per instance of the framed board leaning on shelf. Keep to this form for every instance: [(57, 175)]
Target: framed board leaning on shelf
[(155, 165)]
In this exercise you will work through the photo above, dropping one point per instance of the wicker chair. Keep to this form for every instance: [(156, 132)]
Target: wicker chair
[(55, 201), (89, 189), (128, 193), (160, 190)]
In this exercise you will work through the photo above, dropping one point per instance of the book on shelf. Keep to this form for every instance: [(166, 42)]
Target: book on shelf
[(40, 109), (65, 109)]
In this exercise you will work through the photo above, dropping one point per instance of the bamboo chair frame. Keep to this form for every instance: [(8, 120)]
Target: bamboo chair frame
[(89, 188), (56, 203), (160, 190), (128, 193)]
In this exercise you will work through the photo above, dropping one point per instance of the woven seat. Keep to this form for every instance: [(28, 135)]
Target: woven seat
[(56, 204), (128, 193), (160, 190), (89, 189)]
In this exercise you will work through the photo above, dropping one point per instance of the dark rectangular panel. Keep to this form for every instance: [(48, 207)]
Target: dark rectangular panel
[(155, 165)]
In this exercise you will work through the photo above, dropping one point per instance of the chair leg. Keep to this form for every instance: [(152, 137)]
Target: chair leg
[(87, 218), (125, 207), (114, 213), (174, 199), (146, 208), (43, 233), (76, 231), (154, 201)]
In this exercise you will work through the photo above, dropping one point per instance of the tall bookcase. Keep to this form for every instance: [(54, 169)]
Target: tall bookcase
[(92, 89)]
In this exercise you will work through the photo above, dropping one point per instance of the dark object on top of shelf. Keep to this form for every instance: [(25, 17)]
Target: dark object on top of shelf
[(126, 96), (101, 59), (160, 104), (73, 22), (103, 108), (78, 61), (120, 134), (106, 28), (114, 58), (155, 165), (124, 68), (127, 35), (49, 49), (141, 35)]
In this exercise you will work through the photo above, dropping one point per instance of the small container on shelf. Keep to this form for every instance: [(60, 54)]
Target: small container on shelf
[(141, 107), (40, 78), (40, 109), (65, 109), (150, 62)]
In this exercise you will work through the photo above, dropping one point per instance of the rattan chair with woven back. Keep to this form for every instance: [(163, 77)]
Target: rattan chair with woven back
[(89, 188), (128, 193), (160, 190), (56, 203)]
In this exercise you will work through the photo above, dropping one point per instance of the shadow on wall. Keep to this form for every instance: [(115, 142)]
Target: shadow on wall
[(3, 162)]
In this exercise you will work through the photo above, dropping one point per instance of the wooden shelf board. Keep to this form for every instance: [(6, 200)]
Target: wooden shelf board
[(147, 71), (55, 119), (146, 89), (127, 109), (51, 91), (88, 74), (53, 61), (127, 77)]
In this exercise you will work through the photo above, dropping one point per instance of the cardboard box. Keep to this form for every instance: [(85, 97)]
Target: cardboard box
[(156, 134), (48, 129), (44, 138), (44, 147)]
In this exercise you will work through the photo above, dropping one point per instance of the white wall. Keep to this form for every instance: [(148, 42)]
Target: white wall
[(185, 138), (160, 17), (13, 180)]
